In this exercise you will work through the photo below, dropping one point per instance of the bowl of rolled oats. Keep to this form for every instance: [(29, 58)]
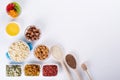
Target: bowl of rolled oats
[(18, 51)]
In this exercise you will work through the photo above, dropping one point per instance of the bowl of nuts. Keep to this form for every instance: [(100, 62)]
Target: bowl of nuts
[(32, 33), (18, 51), (41, 52)]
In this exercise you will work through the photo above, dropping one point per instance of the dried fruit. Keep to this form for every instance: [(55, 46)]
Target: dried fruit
[(32, 70), (50, 70), (10, 7)]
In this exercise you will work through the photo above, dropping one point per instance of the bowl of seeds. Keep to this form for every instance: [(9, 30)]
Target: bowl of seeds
[(13, 70)]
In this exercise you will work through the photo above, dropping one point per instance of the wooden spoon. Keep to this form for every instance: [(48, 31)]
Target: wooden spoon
[(70, 60), (84, 67), (57, 53)]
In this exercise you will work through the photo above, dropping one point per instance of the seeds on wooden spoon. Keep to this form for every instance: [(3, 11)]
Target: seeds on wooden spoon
[(84, 67), (71, 61)]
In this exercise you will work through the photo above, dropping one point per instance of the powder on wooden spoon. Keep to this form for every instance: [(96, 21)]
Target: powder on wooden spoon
[(71, 61), (57, 52)]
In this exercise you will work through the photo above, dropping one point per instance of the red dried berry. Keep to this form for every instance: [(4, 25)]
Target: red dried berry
[(50, 70), (10, 7)]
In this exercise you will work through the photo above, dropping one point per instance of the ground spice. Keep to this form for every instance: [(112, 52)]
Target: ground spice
[(12, 29)]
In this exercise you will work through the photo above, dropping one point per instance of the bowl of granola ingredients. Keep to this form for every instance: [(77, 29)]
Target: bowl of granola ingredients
[(13, 9)]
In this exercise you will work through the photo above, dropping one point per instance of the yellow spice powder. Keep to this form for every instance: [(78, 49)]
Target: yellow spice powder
[(12, 29)]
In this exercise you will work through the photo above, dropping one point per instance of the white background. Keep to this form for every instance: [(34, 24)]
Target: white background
[(90, 28)]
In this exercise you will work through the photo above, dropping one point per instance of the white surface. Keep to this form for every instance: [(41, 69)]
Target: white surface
[(89, 27)]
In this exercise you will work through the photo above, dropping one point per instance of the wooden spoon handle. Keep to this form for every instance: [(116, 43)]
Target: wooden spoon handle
[(88, 74), (65, 69), (78, 74)]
